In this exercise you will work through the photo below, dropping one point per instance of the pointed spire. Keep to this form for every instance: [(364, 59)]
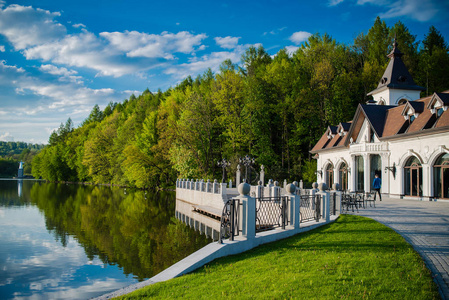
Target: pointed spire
[(396, 77), (395, 52)]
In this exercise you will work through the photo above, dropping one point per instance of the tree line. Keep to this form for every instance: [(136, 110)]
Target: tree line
[(11, 153), (273, 108)]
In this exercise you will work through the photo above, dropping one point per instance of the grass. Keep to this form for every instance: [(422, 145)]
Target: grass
[(352, 258)]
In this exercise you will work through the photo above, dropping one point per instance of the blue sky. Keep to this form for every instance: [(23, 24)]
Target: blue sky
[(60, 58)]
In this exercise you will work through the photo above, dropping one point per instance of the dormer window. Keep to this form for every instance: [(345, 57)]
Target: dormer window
[(402, 78), (402, 101), (438, 101)]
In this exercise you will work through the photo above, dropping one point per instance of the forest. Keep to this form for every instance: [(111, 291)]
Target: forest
[(271, 107), (12, 153)]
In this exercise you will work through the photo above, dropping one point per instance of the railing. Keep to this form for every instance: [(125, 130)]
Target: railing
[(271, 212), (229, 226), (368, 147), (310, 208)]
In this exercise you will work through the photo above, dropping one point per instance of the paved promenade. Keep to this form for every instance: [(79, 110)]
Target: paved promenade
[(425, 225)]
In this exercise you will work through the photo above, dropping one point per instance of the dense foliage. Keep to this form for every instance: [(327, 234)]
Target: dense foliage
[(272, 108), (11, 153)]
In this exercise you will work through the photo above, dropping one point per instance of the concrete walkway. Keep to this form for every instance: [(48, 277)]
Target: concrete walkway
[(425, 225)]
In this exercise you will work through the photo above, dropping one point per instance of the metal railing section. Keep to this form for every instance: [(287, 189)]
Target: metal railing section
[(271, 212), (229, 224), (310, 208)]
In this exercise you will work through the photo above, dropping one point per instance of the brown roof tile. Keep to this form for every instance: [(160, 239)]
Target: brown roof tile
[(320, 144), (393, 121), (421, 121), (443, 120)]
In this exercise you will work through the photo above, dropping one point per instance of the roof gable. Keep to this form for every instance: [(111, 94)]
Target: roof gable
[(396, 75), (438, 100), (412, 108)]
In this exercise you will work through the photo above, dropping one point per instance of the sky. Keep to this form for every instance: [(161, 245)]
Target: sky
[(60, 58)]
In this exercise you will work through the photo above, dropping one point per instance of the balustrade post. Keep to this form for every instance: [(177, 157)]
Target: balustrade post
[(230, 183), (248, 211), (269, 186), (214, 186), (325, 202), (201, 186), (207, 186), (192, 184), (338, 201), (259, 189), (294, 211), (237, 176), (223, 188), (276, 190)]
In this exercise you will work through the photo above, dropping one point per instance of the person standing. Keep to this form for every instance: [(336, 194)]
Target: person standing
[(377, 183)]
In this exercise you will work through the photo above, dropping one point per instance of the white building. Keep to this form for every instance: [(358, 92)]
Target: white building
[(402, 138)]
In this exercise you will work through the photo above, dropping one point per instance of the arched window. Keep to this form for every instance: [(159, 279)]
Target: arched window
[(441, 177), (330, 175), (413, 177), (343, 175), (402, 101)]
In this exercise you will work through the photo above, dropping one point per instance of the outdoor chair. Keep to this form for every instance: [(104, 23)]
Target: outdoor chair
[(369, 197), (349, 202)]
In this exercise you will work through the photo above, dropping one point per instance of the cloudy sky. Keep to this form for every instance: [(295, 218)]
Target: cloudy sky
[(60, 58)]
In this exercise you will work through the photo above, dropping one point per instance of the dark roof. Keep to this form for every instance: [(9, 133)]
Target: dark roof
[(418, 107), (444, 97), (333, 129), (396, 76), (388, 122), (376, 116), (345, 125)]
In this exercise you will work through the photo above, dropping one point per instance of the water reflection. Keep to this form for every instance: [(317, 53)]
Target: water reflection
[(97, 234), (203, 223)]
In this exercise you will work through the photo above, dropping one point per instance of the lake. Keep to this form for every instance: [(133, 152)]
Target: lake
[(80, 241)]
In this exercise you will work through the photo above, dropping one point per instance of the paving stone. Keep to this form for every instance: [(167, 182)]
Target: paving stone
[(425, 225)]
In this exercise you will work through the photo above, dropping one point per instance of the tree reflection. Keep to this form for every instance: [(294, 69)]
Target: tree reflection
[(135, 229)]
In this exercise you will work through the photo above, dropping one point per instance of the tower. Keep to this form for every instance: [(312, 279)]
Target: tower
[(396, 83)]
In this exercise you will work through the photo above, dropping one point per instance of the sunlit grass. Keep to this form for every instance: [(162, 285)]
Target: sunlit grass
[(354, 257)]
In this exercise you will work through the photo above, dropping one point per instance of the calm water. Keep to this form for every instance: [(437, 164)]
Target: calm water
[(74, 241)]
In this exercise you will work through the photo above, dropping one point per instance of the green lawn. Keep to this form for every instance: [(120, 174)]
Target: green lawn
[(354, 257)]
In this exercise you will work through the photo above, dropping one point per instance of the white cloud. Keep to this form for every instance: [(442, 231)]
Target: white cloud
[(420, 10), (198, 65), (6, 137), (66, 75), (79, 25), (138, 44), (2, 48), (275, 31), (25, 26), (334, 2), (299, 37), (4, 67), (291, 49), (41, 37), (228, 42)]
